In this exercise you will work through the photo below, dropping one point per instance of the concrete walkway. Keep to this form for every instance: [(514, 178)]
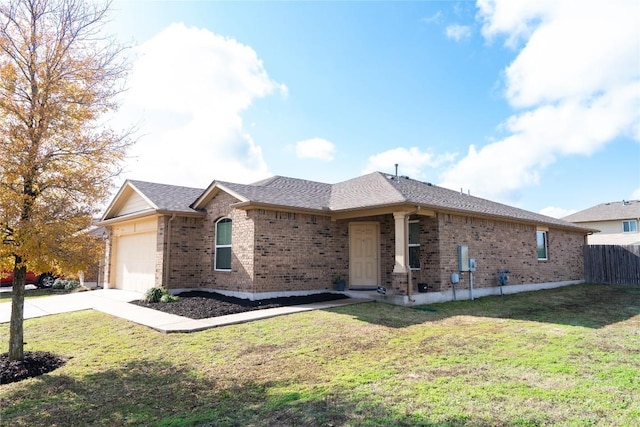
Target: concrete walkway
[(116, 303)]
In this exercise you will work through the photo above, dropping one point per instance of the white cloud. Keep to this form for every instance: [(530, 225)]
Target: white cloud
[(315, 148), (575, 84), (433, 19), (190, 86), (636, 194), (458, 32), (556, 212), (411, 162)]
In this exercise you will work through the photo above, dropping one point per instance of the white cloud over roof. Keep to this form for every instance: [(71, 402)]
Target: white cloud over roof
[(189, 87), (574, 86), (315, 148), (411, 162)]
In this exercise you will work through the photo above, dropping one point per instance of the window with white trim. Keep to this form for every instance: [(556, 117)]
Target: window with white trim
[(414, 245), (542, 245), (222, 261), (630, 226)]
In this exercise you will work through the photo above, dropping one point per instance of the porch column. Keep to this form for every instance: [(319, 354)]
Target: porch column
[(401, 244)]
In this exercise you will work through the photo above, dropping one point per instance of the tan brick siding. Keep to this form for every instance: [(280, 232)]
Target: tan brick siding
[(295, 251), (274, 251), (497, 245)]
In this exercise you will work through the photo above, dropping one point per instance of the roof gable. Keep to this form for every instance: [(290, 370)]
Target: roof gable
[(138, 197), (365, 191), (274, 191)]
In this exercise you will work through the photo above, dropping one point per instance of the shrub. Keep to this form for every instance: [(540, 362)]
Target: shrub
[(167, 297), (154, 294), (158, 294), (72, 284), (68, 284)]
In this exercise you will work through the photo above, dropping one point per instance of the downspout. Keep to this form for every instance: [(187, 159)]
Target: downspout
[(168, 254), (406, 246)]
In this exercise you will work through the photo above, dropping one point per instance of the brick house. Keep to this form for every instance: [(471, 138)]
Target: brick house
[(287, 236)]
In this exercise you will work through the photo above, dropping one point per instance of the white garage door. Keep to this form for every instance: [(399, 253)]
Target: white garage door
[(136, 262)]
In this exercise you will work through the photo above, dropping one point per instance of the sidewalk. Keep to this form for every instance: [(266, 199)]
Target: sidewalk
[(116, 303)]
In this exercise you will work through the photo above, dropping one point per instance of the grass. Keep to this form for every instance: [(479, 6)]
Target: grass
[(37, 293), (564, 357)]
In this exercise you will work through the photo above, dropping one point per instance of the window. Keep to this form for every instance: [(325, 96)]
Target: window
[(414, 245), (541, 237), (223, 245), (630, 226)]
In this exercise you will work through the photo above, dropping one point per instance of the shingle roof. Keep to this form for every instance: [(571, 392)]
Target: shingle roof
[(364, 191), (439, 198), (626, 209), (373, 190), (168, 197), (283, 191)]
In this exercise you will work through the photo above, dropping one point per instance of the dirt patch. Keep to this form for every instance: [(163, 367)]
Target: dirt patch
[(202, 305)]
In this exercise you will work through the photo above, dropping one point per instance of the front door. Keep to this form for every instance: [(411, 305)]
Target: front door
[(364, 247)]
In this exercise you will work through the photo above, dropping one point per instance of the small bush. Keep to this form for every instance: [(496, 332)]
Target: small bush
[(72, 284), (167, 297), (154, 294), (59, 284), (159, 295)]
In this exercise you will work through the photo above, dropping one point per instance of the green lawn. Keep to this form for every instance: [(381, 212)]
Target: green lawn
[(36, 293), (568, 356)]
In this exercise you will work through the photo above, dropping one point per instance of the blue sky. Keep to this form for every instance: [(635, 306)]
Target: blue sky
[(531, 103)]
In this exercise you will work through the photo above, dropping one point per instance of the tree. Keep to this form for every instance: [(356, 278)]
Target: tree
[(59, 77)]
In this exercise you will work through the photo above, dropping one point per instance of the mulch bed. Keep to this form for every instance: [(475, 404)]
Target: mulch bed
[(202, 305), (35, 363)]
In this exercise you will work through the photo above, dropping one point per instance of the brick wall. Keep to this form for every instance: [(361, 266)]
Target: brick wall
[(188, 243), (295, 251), (241, 276), (501, 245), (275, 251)]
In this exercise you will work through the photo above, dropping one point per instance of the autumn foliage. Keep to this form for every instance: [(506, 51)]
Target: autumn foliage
[(59, 78)]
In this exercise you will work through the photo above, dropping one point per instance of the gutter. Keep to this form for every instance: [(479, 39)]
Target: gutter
[(148, 212)]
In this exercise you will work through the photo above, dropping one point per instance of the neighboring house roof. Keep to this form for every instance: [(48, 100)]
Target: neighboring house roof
[(369, 191), (612, 211)]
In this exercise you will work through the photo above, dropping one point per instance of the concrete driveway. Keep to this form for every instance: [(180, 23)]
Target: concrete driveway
[(56, 304), (115, 302)]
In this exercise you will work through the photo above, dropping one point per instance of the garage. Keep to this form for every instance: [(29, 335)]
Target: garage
[(135, 257)]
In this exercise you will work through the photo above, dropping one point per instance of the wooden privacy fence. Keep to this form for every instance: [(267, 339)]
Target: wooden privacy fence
[(612, 264)]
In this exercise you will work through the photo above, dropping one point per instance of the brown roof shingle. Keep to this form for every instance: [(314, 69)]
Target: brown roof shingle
[(626, 209), (372, 190), (168, 197)]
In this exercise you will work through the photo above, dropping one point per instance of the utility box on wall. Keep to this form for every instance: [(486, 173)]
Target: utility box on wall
[(463, 258)]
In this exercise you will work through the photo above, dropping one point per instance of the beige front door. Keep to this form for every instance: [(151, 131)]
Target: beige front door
[(364, 248)]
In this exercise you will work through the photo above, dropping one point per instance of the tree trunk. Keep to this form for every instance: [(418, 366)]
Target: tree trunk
[(16, 331)]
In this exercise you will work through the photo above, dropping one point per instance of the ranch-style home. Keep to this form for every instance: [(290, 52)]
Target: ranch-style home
[(288, 236)]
